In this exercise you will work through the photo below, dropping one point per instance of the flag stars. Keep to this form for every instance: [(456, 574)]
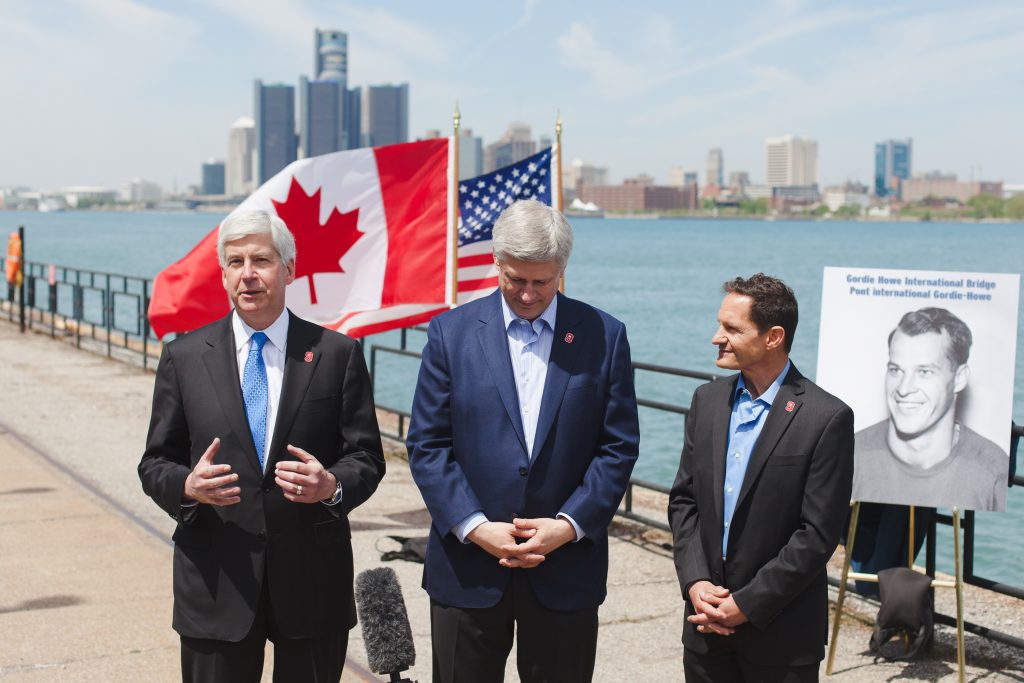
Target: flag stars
[(497, 176)]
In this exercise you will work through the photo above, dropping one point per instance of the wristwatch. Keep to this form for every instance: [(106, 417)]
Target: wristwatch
[(336, 498)]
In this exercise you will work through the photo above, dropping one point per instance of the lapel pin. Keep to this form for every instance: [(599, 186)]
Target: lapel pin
[(569, 336), (308, 357), (790, 406)]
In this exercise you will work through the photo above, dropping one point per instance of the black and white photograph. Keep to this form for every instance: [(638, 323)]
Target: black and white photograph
[(926, 360)]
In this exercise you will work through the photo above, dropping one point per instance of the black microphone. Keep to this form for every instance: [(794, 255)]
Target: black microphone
[(386, 631)]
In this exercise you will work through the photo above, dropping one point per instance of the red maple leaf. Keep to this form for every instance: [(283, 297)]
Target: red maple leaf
[(319, 247)]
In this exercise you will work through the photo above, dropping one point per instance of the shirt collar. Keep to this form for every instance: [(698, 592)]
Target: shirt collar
[(277, 333), (547, 316), (771, 392)]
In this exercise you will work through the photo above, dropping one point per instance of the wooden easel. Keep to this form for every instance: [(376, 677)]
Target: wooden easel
[(957, 583)]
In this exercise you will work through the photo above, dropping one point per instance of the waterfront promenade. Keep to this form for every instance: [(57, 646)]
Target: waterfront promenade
[(85, 558)]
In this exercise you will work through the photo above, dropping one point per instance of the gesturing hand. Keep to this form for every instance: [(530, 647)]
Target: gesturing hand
[(305, 481), (211, 484), (544, 535)]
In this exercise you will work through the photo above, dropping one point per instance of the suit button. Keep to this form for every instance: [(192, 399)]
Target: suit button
[(262, 535), (523, 471), (266, 489)]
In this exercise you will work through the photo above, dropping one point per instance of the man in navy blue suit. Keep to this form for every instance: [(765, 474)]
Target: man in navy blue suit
[(524, 433)]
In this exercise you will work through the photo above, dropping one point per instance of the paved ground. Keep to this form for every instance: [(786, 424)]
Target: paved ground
[(85, 561)]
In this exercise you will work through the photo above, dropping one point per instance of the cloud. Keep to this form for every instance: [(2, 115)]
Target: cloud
[(610, 76)]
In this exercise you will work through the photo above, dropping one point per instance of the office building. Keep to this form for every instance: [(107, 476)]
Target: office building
[(274, 109), (640, 194), (681, 177), (350, 118), (384, 115), (330, 56), (321, 112), (738, 181), (213, 178), (515, 145), (944, 187), (471, 154), (141, 191), (791, 161), (715, 168), (238, 167), (892, 166), (849, 195)]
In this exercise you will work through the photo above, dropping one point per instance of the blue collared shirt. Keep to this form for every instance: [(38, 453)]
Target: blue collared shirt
[(529, 347), (745, 424)]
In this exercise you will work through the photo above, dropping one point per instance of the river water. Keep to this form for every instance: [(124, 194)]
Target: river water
[(663, 279)]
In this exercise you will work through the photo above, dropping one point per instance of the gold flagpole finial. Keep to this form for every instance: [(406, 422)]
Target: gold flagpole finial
[(456, 117), (558, 124)]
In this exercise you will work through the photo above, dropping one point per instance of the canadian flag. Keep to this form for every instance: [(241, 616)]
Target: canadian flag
[(372, 239)]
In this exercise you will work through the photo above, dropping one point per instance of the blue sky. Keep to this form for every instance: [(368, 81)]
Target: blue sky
[(101, 91)]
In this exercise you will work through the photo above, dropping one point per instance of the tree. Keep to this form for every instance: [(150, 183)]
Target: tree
[(1015, 207), (986, 206)]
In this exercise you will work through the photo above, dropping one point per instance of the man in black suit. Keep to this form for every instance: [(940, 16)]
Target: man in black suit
[(263, 437), (760, 499)]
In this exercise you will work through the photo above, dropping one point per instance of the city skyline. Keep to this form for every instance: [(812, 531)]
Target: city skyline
[(129, 89)]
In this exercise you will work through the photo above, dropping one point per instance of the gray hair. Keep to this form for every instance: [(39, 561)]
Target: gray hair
[(239, 225), (529, 230)]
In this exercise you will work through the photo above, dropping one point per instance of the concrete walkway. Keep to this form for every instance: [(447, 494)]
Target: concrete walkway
[(85, 589)]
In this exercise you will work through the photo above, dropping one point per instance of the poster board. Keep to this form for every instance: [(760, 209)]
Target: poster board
[(930, 431)]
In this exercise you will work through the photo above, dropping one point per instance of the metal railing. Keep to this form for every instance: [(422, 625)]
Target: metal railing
[(628, 509), (106, 311)]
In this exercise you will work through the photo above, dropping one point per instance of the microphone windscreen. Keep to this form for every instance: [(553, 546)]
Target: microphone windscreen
[(386, 631)]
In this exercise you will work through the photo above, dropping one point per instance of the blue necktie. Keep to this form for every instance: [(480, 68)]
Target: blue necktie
[(254, 391)]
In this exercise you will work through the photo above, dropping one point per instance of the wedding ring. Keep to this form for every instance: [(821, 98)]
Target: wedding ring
[(298, 491)]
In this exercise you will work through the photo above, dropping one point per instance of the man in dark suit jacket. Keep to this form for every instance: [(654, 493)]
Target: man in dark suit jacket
[(759, 501), (263, 437), (523, 436)]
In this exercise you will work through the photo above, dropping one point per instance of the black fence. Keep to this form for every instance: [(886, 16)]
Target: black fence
[(639, 487), (107, 312)]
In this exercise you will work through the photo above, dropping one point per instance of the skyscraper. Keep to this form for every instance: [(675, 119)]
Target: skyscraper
[(321, 111), (515, 145), (791, 161), (274, 108), (471, 154), (213, 177), (384, 116), (715, 167), (330, 56), (352, 118), (238, 167), (324, 116), (893, 164)]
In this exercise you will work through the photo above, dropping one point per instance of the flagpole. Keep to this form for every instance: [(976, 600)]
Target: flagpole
[(560, 199), (558, 168), (456, 118)]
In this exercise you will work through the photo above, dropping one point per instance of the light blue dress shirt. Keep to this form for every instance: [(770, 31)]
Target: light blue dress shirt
[(529, 348), (745, 424)]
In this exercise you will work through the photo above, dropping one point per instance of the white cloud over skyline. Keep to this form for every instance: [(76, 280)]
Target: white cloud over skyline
[(102, 91)]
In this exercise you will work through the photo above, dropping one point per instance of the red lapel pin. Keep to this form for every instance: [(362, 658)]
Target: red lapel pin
[(569, 337), (790, 406), (308, 357)]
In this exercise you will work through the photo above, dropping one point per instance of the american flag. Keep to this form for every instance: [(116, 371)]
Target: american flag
[(481, 201)]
